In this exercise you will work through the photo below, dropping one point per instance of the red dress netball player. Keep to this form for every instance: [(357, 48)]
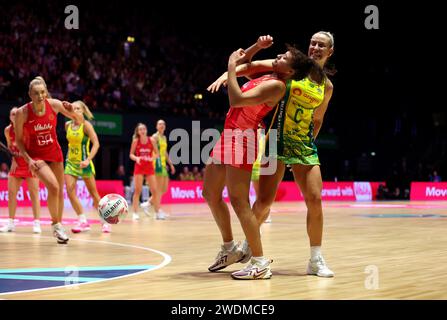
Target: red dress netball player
[(143, 151), (36, 139), (19, 171), (249, 105)]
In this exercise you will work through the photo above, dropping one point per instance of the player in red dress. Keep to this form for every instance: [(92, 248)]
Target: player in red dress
[(36, 139), (235, 152), (18, 172), (143, 151)]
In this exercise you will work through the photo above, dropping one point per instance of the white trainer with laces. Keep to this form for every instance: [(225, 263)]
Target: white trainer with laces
[(226, 257), (9, 227), (318, 267), (59, 233), (254, 271), (36, 227)]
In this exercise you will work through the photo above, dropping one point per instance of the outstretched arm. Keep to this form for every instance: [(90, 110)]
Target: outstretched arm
[(66, 109), (263, 42), (269, 92), (243, 70)]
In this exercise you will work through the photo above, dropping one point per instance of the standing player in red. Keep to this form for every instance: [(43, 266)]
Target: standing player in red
[(19, 171), (249, 105), (143, 151), (36, 139)]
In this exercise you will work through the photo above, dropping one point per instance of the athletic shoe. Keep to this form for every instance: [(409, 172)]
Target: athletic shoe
[(36, 227), (254, 271), (148, 208), (247, 254), (9, 227), (81, 227), (106, 228), (319, 268), (135, 217), (161, 215), (59, 233), (226, 257), (268, 220)]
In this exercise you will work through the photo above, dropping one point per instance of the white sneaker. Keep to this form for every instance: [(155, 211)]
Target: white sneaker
[(36, 227), (254, 271), (319, 268), (148, 208), (59, 233), (9, 227), (161, 215), (225, 258), (268, 220), (247, 254), (135, 217)]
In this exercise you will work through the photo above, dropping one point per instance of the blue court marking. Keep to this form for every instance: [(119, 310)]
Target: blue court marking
[(13, 281), (402, 215), (36, 278)]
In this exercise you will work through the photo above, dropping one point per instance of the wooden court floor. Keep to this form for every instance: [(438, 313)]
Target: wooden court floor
[(379, 250)]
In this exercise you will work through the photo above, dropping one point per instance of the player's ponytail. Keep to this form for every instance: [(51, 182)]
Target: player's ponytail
[(329, 68), (85, 110), (39, 80)]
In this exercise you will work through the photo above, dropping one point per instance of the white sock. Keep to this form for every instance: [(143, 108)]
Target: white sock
[(36, 221), (11, 222), (259, 260), (82, 218), (229, 245), (315, 252)]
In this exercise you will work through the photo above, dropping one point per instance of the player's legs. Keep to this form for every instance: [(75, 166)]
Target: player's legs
[(155, 192), (310, 182), (49, 179), (14, 184), (238, 183), (90, 183), (138, 183), (213, 185), (33, 188), (58, 171), (71, 186), (265, 196), (46, 175), (13, 187)]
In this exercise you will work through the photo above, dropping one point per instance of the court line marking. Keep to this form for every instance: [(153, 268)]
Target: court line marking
[(96, 268), (47, 278), (166, 260)]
